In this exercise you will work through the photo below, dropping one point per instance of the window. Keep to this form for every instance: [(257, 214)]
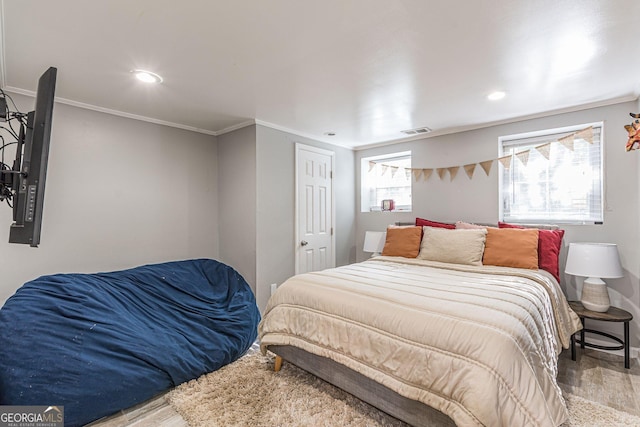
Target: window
[(386, 177), (567, 187)]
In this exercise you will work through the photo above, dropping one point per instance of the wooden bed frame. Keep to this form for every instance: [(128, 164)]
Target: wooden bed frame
[(410, 411)]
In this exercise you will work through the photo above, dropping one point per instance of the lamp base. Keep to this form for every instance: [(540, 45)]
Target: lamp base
[(595, 296)]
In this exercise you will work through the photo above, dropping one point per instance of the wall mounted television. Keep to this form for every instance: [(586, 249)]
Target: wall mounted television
[(22, 184)]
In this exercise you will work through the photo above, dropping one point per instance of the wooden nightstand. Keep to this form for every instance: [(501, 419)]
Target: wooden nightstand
[(614, 314)]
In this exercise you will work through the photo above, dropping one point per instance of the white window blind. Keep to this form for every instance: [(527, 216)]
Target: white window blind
[(565, 188), (386, 177)]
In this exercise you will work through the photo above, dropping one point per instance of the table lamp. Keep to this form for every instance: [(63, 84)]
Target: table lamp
[(374, 242), (595, 261)]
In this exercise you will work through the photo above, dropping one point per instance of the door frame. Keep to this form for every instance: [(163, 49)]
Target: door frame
[(332, 154)]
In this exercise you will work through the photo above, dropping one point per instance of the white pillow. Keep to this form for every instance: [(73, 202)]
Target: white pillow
[(460, 246)]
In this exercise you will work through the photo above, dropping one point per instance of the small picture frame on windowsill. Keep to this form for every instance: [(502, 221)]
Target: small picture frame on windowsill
[(388, 205)]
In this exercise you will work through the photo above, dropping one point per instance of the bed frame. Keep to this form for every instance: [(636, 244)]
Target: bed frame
[(410, 411)]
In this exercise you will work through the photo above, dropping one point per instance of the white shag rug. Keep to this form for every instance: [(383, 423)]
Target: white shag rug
[(248, 393)]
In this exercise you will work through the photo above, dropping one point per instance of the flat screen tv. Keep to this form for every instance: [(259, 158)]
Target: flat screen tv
[(32, 153)]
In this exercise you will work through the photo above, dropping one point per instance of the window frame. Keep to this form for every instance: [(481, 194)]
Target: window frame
[(541, 137), (365, 198)]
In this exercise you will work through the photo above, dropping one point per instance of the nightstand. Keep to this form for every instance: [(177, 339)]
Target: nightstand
[(614, 314)]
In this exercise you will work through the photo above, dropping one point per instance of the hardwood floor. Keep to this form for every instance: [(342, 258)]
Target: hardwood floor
[(601, 377), (595, 375)]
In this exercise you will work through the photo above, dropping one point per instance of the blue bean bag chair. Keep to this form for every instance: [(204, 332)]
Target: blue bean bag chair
[(99, 343)]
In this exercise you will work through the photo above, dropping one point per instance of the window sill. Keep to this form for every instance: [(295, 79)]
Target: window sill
[(393, 211), (550, 222)]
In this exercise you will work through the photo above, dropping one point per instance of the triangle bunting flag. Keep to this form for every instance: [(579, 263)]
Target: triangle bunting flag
[(586, 134), (506, 161), (453, 171), (486, 166), (523, 156), (469, 169), (545, 150), (567, 141)]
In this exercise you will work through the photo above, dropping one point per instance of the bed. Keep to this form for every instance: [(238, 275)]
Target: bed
[(476, 342), (99, 343)]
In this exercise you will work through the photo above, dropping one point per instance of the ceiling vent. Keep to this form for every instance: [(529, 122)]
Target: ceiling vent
[(417, 131)]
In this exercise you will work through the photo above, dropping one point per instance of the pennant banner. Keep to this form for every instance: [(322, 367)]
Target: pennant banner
[(486, 166), (469, 169), (506, 161), (453, 171), (523, 156), (545, 150), (567, 141), (586, 134)]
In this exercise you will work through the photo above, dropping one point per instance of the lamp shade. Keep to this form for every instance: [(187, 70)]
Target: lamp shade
[(374, 241), (599, 260)]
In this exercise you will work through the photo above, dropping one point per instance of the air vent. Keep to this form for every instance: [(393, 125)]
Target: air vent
[(417, 131)]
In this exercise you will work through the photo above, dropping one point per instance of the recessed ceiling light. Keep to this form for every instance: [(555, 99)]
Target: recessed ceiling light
[(147, 76), (496, 95)]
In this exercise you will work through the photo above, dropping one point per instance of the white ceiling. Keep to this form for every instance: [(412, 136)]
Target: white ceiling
[(364, 69)]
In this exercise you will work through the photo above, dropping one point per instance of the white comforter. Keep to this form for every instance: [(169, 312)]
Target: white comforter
[(477, 343)]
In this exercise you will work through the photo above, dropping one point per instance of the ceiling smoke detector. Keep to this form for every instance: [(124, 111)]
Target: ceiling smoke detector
[(417, 131)]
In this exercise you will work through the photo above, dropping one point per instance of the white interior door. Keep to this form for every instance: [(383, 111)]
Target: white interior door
[(315, 242)]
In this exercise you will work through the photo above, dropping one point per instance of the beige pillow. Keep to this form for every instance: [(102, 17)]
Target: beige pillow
[(512, 247), (468, 226), (402, 241), (462, 246)]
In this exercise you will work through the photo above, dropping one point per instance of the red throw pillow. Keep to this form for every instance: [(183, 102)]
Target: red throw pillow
[(425, 222), (549, 244)]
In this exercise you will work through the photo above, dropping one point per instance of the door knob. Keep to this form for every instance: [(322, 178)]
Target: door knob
[(304, 243)]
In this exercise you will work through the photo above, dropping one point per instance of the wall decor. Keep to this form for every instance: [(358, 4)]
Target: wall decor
[(633, 143), (523, 156)]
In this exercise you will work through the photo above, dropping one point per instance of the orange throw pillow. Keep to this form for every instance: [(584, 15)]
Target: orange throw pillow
[(511, 247), (402, 241)]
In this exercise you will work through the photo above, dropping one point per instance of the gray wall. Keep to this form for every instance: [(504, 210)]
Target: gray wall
[(257, 206), (237, 196), (119, 193), (276, 206), (476, 200)]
